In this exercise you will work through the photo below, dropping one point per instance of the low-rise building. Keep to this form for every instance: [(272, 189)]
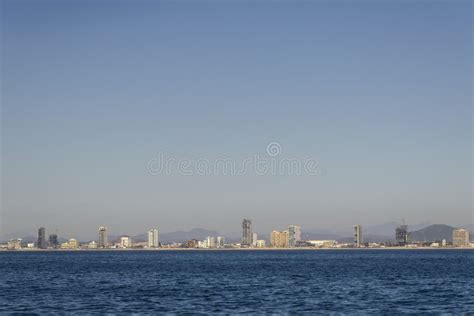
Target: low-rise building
[(322, 243), (124, 242), (14, 244), (70, 244), (193, 243)]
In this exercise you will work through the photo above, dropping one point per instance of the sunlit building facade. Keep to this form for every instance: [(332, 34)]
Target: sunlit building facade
[(153, 238), (279, 239), (460, 238)]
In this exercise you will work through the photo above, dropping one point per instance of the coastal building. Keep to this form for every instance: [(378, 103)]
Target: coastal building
[(70, 244), (460, 238), (14, 244), (211, 242), (73, 243), (92, 245), (260, 243), (220, 241), (247, 235), (125, 242), (279, 239), (193, 243), (53, 241), (358, 236), (103, 239), (294, 235), (321, 243), (153, 239), (42, 243), (401, 235), (254, 239)]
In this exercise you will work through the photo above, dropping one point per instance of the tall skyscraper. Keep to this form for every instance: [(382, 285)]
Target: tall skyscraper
[(247, 235), (103, 239), (401, 235), (53, 241), (460, 238), (42, 243), (153, 238), (358, 236), (294, 235)]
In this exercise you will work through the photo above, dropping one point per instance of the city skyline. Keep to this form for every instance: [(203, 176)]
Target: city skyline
[(247, 237), (233, 234), (290, 238)]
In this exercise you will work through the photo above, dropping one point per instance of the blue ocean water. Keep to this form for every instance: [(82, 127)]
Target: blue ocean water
[(297, 281)]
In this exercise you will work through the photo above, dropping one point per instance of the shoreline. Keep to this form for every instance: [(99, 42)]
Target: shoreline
[(235, 249)]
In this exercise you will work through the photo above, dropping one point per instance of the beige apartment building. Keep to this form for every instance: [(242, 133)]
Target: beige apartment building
[(279, 239), (460, 238)]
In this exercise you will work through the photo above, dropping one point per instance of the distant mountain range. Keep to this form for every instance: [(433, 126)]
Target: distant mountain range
[(433, 233), (388, 229), (379, 233)]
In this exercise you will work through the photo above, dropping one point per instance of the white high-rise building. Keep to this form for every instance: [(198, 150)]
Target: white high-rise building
[(220, 241), (294, 235), (254, 239), (153, 238), (211, 242)]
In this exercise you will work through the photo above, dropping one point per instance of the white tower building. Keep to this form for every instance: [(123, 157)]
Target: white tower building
[(153, 238)]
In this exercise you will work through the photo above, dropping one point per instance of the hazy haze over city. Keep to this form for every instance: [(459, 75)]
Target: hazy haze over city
[(92, 91)]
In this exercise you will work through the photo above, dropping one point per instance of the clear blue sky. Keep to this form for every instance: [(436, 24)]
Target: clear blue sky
[(380, 92)]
